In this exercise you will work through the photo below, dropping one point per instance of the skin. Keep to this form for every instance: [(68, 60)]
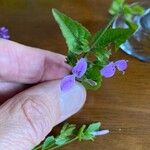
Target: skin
[(30, 96)]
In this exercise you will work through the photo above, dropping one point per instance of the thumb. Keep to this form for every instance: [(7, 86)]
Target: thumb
[(28, 117)]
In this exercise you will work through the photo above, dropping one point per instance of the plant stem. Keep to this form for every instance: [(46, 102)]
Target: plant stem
[(58, 146), (103, 32)]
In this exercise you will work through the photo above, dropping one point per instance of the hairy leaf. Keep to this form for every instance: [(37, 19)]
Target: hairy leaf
[(75, 34), (94, 76), (93, 127), (111, 36), (65, 133), (116, 7), (87, 133), (48, 141)]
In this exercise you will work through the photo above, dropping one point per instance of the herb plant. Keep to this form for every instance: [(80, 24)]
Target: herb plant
[(81, 45)]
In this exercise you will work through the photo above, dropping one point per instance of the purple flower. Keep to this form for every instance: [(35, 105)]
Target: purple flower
[(80, 68), (109, 70), (4, 33), (67, 83), (101, 132), (121, 65), (78, 71)]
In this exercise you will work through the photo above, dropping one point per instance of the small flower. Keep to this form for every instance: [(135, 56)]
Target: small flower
[(109, 70), (121, 65), (80, 68), (101, 132), (67, 83), (4, 33), (78, 71)]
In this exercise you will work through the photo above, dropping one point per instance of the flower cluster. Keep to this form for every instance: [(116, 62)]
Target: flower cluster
[(80, 68), (4, 33), (77, 72), (110, 69)]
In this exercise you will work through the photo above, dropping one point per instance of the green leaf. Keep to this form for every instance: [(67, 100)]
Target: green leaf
[(111, 36), (116, 36), (48, 141), (116, 7), (86, 133), (137, 10), (75, 34), (133, 10), (67, 129), (93, 74), (127, 9), (93, 127), (65, 133), (71, 58), (61, 140), (81, 132)]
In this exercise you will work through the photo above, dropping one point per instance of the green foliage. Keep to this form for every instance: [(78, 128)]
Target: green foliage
[(48, 141), (111, 36), (71, 58), (92, 79), (68, 134), (87, 133), (75, 34), (79, 45), (118, 7), (65, 133)]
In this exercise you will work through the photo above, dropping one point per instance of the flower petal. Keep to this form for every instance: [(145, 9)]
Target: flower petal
[(4, 33), (121, 65), (109, 70), (67, 83), (80, 68), (101, 132)]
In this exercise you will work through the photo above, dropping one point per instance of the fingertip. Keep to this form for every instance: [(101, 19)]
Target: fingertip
[(72, 100)]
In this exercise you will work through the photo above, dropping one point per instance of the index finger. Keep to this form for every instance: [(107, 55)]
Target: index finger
[(24, 64)]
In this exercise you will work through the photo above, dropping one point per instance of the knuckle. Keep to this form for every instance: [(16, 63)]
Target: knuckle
[(37, 115)]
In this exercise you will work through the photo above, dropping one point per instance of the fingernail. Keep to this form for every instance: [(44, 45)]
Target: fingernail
[(72, 100)]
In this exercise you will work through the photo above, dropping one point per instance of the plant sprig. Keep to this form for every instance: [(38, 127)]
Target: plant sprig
[(81, 43), (70, 133), (120, 8)]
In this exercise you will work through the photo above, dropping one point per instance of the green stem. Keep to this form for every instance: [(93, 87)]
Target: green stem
[(103, 32), (58, 146)]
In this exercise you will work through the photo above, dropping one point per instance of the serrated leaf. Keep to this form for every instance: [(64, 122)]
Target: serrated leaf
[(48, 141), (75, 34), (71, 58), (116, 7), (67, 130), (86, 133), (65, 133), (93, 74), (111, 36), (116, 36), (61, 140)]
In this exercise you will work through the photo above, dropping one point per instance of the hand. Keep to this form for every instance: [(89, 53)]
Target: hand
[(30, 93)]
